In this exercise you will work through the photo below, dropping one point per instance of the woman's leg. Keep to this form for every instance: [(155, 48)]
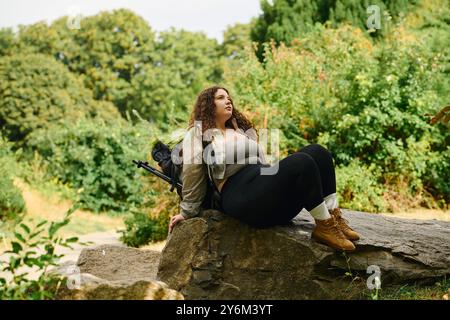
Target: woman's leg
[(324, 161), (266, 200)]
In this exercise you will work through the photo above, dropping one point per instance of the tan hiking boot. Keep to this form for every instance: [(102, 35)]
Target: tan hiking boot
[(328, 232), (342, 224)]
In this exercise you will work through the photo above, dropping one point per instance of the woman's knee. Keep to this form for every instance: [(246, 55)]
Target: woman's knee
[(304, 162), (316, 149)]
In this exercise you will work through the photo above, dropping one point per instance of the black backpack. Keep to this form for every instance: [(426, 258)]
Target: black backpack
[(162, 154)]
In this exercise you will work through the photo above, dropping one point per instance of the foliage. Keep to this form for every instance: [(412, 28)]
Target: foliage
[(37, 91), (6, 40), (109, 50), (34, 248), (358, 187), (285, 20), (235, 39), (12, 203), (185, 63), (95, 158), (360, 100), (151, 222), (142, 229), (121, 60)]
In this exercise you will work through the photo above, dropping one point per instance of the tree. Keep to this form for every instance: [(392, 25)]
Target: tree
[(36, 91), (185, 63), (109, 50), (235, 39), (6, 41), (285, 20)]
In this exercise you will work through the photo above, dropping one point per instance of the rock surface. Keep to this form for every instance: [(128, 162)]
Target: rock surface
[(217, 257), (114, 273)]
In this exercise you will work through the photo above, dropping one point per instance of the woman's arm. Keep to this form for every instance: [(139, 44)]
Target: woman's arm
[(193, 192), (194, 189), (193, 175)]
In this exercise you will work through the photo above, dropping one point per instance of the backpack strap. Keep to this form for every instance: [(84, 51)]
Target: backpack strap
[(215, 197), (175, 177)]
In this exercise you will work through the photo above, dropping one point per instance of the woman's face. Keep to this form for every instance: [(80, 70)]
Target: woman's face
[(224, 106)]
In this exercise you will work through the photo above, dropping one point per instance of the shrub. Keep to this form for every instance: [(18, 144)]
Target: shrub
[(140, 229), (34, 249), (95, 158), (364, 100), (151, 223), (358, 187), (12, 203)]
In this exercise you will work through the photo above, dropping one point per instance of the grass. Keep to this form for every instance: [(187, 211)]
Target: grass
[(439, 291)]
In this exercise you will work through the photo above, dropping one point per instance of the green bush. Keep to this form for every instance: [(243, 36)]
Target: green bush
[(358, 187), (95, 158), (151, 222), (140, 229), (12, 203), (34, 247), (363, 100)]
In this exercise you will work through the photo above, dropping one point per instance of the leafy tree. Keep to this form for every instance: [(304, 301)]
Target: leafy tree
[(36, 91), (119, 58), (36, 38), (285, 20), (185, 63), (235, 39), (6, 41), (109, 50)]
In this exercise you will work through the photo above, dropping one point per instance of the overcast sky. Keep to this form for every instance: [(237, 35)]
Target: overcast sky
[(209, 16)]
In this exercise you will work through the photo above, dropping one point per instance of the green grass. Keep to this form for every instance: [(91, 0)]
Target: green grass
[(417, 292)]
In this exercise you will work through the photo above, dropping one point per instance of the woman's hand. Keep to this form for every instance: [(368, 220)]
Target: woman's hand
[(174, 221)]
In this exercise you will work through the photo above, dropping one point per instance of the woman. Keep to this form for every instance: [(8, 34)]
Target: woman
[(305, 179)]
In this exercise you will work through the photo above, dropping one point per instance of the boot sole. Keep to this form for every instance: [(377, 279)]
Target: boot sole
[(331, 246), (352, 239)]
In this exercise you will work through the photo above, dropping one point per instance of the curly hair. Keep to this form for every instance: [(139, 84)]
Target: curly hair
[(205, 111)]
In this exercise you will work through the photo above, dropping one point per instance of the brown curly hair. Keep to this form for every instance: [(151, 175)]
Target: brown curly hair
[(205, 111)]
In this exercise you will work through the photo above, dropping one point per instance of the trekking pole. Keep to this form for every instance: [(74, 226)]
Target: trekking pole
[(141, 164)]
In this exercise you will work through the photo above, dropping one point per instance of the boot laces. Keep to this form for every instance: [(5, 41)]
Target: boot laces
[(334, 227), (340, 219)]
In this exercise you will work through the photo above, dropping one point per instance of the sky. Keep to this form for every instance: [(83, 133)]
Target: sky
[(209, 16)]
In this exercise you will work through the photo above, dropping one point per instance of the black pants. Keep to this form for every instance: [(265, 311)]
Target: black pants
[(302, 181)]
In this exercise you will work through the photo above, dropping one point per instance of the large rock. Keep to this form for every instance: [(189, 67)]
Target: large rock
[(217, 257), (114, 272)]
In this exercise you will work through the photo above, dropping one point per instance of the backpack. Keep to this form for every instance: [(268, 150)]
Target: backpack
[(162, 154)]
